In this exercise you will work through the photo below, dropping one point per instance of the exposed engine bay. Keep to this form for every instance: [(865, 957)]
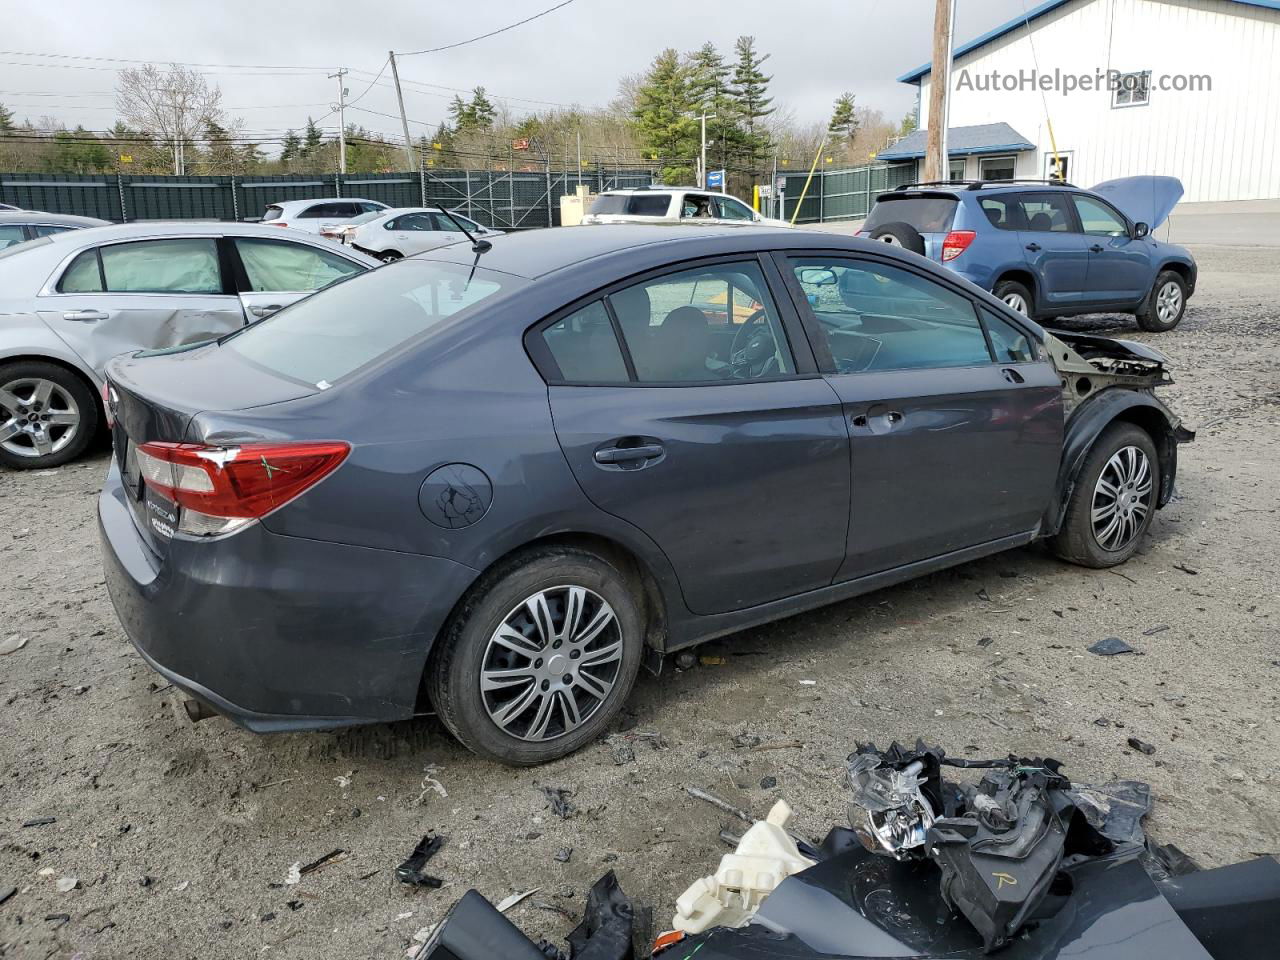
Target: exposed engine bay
[(1088, 364)]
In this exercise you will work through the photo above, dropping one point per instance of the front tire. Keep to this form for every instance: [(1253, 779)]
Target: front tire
[(390, 256), (1113, 501), (1016, 296), (48, 415), (1165, 305), (540, 657)]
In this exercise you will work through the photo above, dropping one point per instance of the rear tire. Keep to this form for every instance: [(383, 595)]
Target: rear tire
[(390, 256), (499, 652), (1113, 501), (900, 235), (48, 415), (1015, 296), (1165, 305)]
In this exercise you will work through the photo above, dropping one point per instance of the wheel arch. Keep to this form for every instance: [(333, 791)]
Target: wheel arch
[(1086, 424), (1181, 268), (85, 376), (1019, 275)]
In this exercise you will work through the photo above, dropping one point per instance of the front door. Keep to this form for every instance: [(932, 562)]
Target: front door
[(1053, 249), (703, 433), (140, 295), (955, 423), (1119, 264)]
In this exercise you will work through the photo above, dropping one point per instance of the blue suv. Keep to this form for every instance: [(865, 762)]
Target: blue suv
[(1047, 248)]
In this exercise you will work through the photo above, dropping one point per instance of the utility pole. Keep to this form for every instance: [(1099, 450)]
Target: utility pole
[(702, 162), (935, 164), (404, 120), (342, 119), (579, 156)]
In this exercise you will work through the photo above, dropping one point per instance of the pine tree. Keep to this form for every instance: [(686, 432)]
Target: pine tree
[(482, 110), (292, 148), (460, 113), (221, 155), (6, 120), (750, 88), (909, 125), (709, 87), (311, 139), (844, 120), (664, 116)]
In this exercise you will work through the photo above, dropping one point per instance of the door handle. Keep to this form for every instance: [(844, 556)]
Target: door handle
[(1013, 376), (878, 421), (1096, 248), (1033, 246), (259, 311), (638, 455), (85, 316)]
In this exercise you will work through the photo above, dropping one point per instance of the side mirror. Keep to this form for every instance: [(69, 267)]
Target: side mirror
[(1140, 230), (817, 277)]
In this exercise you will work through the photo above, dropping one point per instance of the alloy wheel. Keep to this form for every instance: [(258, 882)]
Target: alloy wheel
[(1169, 302), (37, 417), (1121, 498), (1017, 301), (551, 663)]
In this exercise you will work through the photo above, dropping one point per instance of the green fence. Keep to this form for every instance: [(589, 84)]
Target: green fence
[(497, 198), (845, 194)]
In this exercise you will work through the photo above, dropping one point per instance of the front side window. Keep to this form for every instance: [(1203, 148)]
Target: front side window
[(878, 317), (733, 210), (1099, 220), (707, 324), (585, 348), (1046, 213), (10, 234), (279, 266), (697, 207), (180, 265), (321, 339)]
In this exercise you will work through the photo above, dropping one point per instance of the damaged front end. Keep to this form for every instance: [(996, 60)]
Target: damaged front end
[(1089, 364)]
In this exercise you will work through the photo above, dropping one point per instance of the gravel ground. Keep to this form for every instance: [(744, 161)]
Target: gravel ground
[(181, 836)]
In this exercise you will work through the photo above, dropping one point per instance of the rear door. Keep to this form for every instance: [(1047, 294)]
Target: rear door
[(723, 445), (1120, 267), (1054, 248), (140, 295), (955, 421), (271, 273)]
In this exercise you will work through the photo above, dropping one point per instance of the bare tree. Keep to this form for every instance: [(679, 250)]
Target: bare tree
[(175, 106)]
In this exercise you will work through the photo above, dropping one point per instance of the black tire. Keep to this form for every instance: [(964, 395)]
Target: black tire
[(900, 235), (20, 375), (389, 256), (1010, 290), (1148, 315), (1077, 541), (455, 667)]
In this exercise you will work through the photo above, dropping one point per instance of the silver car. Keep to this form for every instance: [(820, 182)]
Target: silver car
[(19, 226), (71, 302)]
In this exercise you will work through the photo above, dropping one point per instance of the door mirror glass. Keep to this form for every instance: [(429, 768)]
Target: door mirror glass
[(817, 277), (1140, 230)]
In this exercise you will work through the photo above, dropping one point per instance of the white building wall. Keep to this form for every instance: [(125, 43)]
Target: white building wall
[(1221, 143)]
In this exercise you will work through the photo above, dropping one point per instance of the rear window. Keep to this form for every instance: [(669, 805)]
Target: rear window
[(273, 212), (325, 337), (926, 214), (632, 204)]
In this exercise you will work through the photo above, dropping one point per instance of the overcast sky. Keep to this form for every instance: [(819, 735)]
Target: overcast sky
[(574, 55)]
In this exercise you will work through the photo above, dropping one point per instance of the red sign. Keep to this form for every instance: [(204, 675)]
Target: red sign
[(521, 144)]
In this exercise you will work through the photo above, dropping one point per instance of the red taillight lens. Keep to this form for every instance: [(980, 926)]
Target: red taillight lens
[(956, 243), (248, 481), (106, 404)]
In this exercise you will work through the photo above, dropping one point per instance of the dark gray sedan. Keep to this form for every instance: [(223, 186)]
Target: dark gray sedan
[(493, 481)]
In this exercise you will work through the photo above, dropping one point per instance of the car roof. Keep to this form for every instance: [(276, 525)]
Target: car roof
[(658, 189), (55, 219), (310, 200), (533, 253), (148, 229)]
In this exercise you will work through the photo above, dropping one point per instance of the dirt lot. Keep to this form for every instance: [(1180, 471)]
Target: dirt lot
[(181, 835)]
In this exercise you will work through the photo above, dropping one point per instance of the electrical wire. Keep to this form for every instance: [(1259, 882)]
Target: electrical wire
[(491, 33)]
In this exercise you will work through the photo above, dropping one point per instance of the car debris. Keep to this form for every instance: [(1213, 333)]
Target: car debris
[(39, 821), (411, 871), (12, 644), (559, 803), (1110, 647), (1023, 861)]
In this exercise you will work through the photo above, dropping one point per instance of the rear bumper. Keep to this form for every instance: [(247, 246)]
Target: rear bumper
[(275, 632)]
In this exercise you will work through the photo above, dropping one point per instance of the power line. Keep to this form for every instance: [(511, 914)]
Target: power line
[(491, 33), (182, 63)]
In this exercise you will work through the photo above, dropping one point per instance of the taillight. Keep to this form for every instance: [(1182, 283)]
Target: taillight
[(276, 223), (107, 393), (956, 243), (223, 488)]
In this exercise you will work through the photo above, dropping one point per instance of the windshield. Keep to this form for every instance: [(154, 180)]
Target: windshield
[(632, 204), (926, 214), (327, 336)]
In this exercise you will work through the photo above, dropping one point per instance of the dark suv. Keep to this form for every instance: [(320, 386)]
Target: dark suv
[(1049, 249)]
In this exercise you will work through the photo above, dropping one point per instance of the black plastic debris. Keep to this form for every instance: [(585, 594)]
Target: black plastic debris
[(1141, 746), (559, 803), (411, 871), (39, 821), (564, 854), (605, 930), (1110, 647), (6, 893), (320, 862)]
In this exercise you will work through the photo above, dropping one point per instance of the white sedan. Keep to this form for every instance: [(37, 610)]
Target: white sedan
[(392, 234)]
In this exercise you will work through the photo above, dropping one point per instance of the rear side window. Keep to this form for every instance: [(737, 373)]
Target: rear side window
[(322, 339), (1008, 343), (635, 205), (280, 266), (1004, 213), (83, 276), (1046, 213), (10, 234), (273, 212), (413, 221), (48, 229), (181, 265), (926, 214), (585, 348)]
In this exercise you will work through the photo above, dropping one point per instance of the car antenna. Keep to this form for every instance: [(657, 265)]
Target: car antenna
[(477, 246)]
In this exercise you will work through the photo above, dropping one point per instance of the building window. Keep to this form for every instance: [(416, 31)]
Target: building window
[(955, 169), (1131, 89), (1057, 167), (996, 168)]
